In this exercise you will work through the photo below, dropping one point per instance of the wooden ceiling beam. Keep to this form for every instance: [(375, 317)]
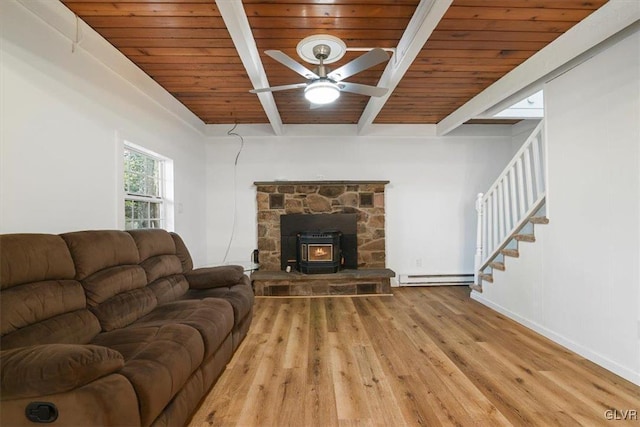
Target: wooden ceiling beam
[(236, 21), (424, 21)]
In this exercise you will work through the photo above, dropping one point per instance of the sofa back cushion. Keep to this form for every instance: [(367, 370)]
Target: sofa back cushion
[(162, 264), (115, 285), (40, 302), (183, 253)]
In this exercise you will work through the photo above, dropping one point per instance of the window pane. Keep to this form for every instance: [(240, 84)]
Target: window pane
[(142, 214), (155, 210), (143, 179), (134, 183), (140, 210), (128, 209), (142, 174), (151, 187), (150, 166), (135, 161)]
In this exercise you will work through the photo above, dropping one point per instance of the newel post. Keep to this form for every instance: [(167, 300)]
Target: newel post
[(478, 257)]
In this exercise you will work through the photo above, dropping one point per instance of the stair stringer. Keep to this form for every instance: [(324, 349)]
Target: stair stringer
[(520, 284), (526, 235)]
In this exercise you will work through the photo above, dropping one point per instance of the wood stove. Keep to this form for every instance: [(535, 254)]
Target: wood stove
[(319, 253), (293, 226)]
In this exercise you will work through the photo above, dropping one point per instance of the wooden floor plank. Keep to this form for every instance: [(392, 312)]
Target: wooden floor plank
[(381, 400), (319, 404), (427, 356)]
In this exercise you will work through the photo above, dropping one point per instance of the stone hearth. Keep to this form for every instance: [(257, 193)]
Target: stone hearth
[(364, 198), (345, 282)]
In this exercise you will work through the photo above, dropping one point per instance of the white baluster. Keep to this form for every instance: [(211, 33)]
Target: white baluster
[(478, 257), (520, 186), (528, 178), (507, 204), (514, 199), (537, 167), (494, 224), (500, 212), (485, 233)]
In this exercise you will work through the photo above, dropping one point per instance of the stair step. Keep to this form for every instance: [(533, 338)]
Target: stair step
[(487, 277), (539, 220), (497, 265), (514, 253), (477, 288), (525, 237)]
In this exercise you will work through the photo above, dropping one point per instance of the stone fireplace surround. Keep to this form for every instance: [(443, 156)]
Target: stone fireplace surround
[(364, 198)]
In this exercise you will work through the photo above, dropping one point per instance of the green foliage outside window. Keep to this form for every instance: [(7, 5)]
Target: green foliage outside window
[(143, 191)]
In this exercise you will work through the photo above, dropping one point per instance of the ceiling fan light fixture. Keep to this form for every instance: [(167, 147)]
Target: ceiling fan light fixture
[(322, 92)]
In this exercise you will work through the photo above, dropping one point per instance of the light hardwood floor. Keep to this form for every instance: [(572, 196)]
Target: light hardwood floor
[(423, 357)]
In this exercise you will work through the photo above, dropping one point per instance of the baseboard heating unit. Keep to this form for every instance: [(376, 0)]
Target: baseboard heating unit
[(434, 279)]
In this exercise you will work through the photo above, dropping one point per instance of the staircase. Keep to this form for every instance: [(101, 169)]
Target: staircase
[(510, 251), (509, 210)]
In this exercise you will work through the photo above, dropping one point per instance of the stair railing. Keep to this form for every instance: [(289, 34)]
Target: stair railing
[(513, 198)]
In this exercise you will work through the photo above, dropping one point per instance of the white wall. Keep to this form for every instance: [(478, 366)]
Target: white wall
[(430, 217), (579, 283), (61, 114), (520, 132)]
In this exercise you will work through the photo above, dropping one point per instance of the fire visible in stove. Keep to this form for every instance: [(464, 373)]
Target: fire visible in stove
[(320, 253)]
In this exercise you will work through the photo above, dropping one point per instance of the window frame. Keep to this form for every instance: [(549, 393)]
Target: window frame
[(165, 189)]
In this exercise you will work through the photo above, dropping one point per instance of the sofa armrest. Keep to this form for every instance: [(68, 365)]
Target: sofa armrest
[(54, 368), (214, 277)]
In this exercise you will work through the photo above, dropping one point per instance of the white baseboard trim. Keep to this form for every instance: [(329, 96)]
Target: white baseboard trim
[(422, 279), (435, 284), (589, 354)]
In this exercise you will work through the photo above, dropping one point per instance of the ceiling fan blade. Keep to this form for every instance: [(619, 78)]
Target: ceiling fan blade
[(277, 88), (363, 89), (289, 62), (369, 59)]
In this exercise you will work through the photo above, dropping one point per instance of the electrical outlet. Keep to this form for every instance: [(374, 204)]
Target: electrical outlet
[(419, 262)]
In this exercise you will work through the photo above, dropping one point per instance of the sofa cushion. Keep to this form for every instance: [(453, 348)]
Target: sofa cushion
[(170, 288), (107, 266), (41, 303), (93, 251), (54, 368), (161, 264), (182, 252), (240, 296), (30, 303), (105, 284), (26, 258), (213, 318), (213, 277), (125, 308), (152, 242), (118, 296), (77, 327), (158, 361)]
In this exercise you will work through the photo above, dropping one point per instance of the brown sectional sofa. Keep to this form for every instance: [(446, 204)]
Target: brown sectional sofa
[(113, 327)]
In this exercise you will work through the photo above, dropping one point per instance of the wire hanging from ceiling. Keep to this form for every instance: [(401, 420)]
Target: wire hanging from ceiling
[(235, 189)]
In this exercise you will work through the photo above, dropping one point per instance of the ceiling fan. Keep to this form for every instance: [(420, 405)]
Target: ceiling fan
[(324, 85)]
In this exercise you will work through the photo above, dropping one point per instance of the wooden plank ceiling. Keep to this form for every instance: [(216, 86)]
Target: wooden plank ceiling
[(186, 48)]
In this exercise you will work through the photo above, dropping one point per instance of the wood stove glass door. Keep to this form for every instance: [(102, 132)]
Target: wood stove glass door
[(320, 252)]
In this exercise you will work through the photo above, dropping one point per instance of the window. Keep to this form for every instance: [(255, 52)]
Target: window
[(145, 189)]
